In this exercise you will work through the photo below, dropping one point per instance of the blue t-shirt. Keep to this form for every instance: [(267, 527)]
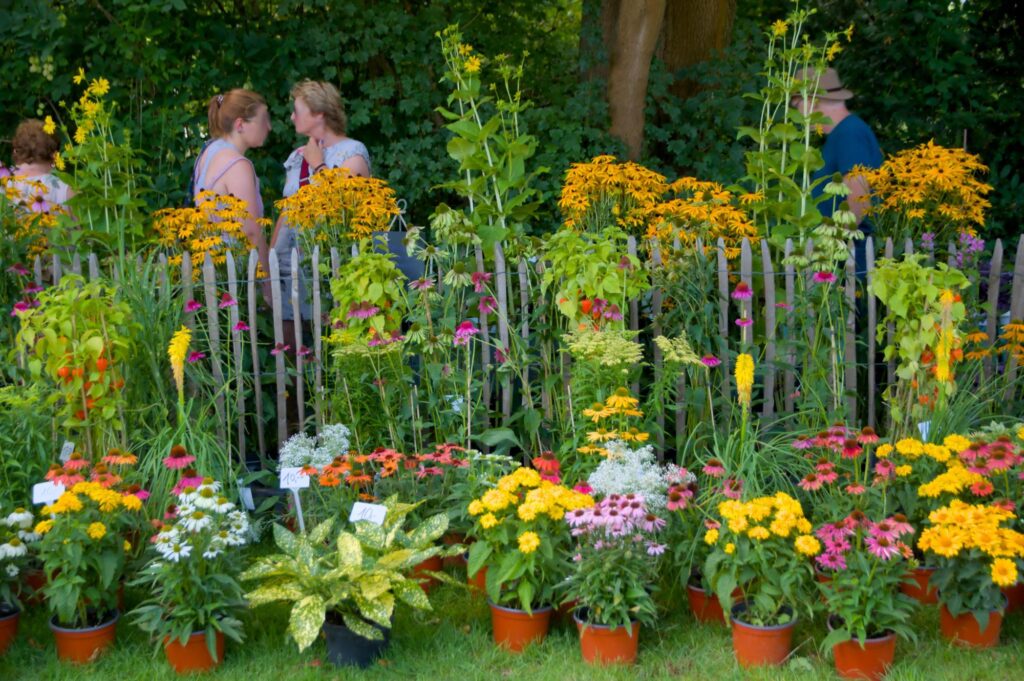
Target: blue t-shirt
[(851, 143)]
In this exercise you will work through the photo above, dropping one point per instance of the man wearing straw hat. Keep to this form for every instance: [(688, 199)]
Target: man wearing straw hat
[(849, 142)]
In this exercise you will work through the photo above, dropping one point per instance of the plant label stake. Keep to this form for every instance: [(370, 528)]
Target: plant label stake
[(374, 513), (925, 427), (46, 492), (293, 479), (66, 451), (245, 495)]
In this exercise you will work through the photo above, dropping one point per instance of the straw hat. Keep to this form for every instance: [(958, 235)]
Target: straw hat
[(829, 85)]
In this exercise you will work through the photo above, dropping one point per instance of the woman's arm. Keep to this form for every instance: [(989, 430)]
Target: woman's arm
[(357, 164)]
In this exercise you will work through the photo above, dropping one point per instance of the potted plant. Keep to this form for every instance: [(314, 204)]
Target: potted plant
[(615, 569), (83, 549), (192, 579), (522, 540), (865, 562), (974, 554), (347, 582), (16, 536), (763, 546)]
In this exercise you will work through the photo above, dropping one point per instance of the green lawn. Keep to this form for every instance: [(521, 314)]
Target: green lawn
[(454, 643)]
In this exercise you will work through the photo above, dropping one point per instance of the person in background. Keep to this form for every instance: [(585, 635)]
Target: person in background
[(239, 121), (33, 152)]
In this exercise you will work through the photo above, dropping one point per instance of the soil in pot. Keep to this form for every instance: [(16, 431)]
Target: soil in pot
[(515, 629), (9, 618), (604, 645), (346, 648), (755, 645), (85, 644), (868, 662), (194, 656)]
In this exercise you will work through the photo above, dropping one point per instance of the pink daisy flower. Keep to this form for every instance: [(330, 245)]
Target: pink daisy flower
[(855, 490), (480, 280), (195, 356), (192, 306), (710, 361), (744, 322), (742, 292), (714, 468), (880, 547), (240, 326), (178, 458), (824, 278), (811, 482), (851, 449), (227, 301)]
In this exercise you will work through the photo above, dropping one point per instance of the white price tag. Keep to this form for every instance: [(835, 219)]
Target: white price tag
[(374, 513), (293, 478), (245, 495), (925, 427), (66, 451), (46, 492)]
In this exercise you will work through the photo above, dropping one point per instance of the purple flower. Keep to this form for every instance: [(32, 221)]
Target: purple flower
[(227, 301), (612, 313), (480, 279), (824, 278), (240, 326), (5, 171), (279, 348), (500, 355), (40, 205), (655, 549), (192, 306), (23, 306), (625, 263), (487, 305), (17, 268), (928, 241), (304, 351), (464, 332), (194, 357), (34, 288), (742, 292), (710, 361), (421, 284), (831, 561), (363, 310), (744, 321)]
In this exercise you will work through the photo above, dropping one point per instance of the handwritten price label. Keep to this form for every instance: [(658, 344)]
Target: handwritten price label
[(245, 496), (66, 451), (293, 478), (374, 513), (46, 492)]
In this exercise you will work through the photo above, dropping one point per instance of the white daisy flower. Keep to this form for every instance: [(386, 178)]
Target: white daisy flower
[(12, 570), (223, 505), (197, 521), (13, 549), (176, 552), (20, 518), (29, 537)]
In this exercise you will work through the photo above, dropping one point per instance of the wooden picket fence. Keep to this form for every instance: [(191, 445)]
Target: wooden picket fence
[(778, 284)]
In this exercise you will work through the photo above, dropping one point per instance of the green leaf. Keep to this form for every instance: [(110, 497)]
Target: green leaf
[(350, 551), (360, 627), (378, 609), (321, 531), (285, 540), (291, 592), (412, 594), (306, 620)]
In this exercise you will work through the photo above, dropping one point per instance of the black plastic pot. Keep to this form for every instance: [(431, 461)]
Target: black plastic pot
[(346, 648)]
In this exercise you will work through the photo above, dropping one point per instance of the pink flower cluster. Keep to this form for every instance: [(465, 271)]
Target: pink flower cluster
[(985, 458), (857, 532), (602, 309), (464, 332), (615, 519)]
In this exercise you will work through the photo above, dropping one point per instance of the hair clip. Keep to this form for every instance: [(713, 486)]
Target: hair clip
[(220, 99)]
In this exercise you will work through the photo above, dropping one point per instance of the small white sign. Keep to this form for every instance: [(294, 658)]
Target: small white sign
[(925, 427), (66, 451), (245, 494), (46, 492), (374, 513), (293, 478)]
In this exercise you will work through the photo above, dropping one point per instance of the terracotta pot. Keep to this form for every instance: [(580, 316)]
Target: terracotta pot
[(194, 656), (85, 645), (450, 539), (432, 564), (1014, 597), (8, 628), (870, 662), (35, 580), (963, 630), (565, 613), (477, 581), (516, 629), (604, 645), (920, 589), (705, 607), (755, 646)]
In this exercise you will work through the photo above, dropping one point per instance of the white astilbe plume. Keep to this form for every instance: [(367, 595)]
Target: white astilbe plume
[(304, 450), (631, 471)]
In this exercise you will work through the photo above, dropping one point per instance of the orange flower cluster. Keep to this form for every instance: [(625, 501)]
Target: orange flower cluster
[(213, 226), (706, 211), (336, 207), (627, 190)]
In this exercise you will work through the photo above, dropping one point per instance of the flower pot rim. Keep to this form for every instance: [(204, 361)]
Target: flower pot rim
[(888, 634), (742, 605), (76, 630), (1006, 604), (595, 625), (15, 611), (505, 608)]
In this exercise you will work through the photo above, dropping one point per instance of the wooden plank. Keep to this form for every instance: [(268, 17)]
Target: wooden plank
[(991, 323), (524, 299), (94, 266), (768, 269), (890, 331), (280, 377), (335, 262), (213, 332), (186, 284), (659, 361), (76, 264), (746, 276), (56, 268), (300, 374), (869, 252), (318, 343), (253, 292), (236, 351), (723, 322), (500, 276), (485, 347), (546, 359), (789, 376), (37, 270), (163, 277), (634, 311), (1016, 312), (951, 253), (908, 246), (850, 339)]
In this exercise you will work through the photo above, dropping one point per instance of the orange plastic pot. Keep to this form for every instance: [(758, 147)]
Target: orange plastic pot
[(451, 539), (1014, 597), (85, 645), (705, 607), (432, 564), (870, 662), (756, 646), (477, 581), (604, 645), (8, 629), (919, 588), (516, 629), (194, 656), (963, 630)]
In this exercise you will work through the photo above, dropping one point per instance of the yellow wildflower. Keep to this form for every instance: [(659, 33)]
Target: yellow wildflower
[(97, 531), (472, 64), (528, 542), (807, 544), (744, 378), (779, 28), (49, 127), (476, 507), (711, 537), (903, 471), (177, 351), (730, 548), (1004, 572), (79, 77), (488, 521)]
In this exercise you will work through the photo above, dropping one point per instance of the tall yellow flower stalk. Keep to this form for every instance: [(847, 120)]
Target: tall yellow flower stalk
[(177, 351), (744, 379)]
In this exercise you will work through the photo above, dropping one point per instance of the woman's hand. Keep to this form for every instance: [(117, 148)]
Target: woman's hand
[(313, 154)]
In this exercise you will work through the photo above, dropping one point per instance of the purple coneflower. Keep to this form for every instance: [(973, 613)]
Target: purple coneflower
[(880, 547), (744, 322), (240, 326), (464, 332), (487, 305), (19, 269), (192, 306), (710, 361), (480, 280), (279, 348), (227, 301), (742, 292), (195, 356), (421, 284), (363, 310), (824, 278)]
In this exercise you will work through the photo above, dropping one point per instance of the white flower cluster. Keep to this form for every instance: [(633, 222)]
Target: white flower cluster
[(302, 450), (632, 471), (206, 522), (16, 538)]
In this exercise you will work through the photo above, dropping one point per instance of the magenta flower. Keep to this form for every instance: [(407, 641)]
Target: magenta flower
[(883, 548), (500, 355), (742, 292), (803, 443), (141, 494), (304, 351), (192, 306), (784, 306), (732, 489), (363, 310), (178, 459), (884, 529), (710, 361), (831, 561), (744, 322), (824, 278), (714, 468), (487, 305), (227, 301), (612, 313), (194, 357), (464, 332), (192, 482), (240, 326), (34, 288), (480, 280), (19, 269), (867, 436), (811, 482), (851, 449), (421, 284), (583, 488), (885, 469), (625, 263), (279, 348)]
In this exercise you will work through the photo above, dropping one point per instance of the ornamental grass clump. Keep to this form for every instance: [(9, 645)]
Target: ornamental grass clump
[(866, 562), (522, 539), (764, 547), (192, 573), (976, 553), (615, 567)]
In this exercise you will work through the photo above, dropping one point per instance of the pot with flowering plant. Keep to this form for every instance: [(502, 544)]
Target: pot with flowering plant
[(615, 569), (866, 562), (840, 478), (192, 579), (522, 539), (83, 551), (16, 538), (975, 554), (764, 546)]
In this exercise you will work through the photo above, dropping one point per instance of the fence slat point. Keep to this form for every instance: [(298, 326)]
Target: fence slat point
[(994, 286), (254, 350), (56, 269), (94, 266), (76, 264), (37, 270), (485, 347)]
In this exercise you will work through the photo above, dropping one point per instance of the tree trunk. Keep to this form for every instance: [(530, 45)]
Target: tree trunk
[(693, 30), (636, 29)]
